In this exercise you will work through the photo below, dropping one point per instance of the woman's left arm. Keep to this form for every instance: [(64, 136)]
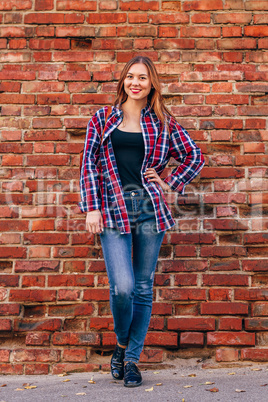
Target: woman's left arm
[(183, 149)]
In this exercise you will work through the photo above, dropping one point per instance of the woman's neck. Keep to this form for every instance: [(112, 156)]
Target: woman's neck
[(133, 107)]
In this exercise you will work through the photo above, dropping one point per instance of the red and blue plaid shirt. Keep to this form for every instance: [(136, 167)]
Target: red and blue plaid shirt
[(100, 184)]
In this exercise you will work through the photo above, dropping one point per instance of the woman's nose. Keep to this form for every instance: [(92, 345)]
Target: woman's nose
[(135, 81)]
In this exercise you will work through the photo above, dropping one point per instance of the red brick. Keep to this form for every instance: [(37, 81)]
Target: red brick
[(256, 324), (78, 338), (74, 355), (41, 5), (70, 280), (230, 338), (73, 310), (37, 266), (257, 355), (182, 294), (68, 294), (32, 355), (184, 265), (151, 356), (139, 5), (44, 18), (226, 355), (5, 325), (224, 308), (9, 308), (13, 252), (108, 339), (15, 369), (96, 294), (218, 294), (230, 324), (162, 309), (251, 294), (37, 325), (99, 323), (259, 309), (9, 280), (191, 339), (68, 5), (61, 368), (36, 369), (255, 265), (15, 4), (185, 280), (161, 339), (33, 295), (191, 324), (37, 339), (107, 18), (4, 355), (203, 5), (33, 281), (225, 280)]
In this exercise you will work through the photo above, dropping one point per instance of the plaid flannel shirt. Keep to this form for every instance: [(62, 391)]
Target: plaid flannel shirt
[(100, 184)]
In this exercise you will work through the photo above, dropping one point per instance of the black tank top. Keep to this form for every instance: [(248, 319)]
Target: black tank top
[(129, 154)]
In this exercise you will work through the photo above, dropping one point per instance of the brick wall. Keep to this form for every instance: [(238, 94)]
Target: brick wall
[(60, 63)]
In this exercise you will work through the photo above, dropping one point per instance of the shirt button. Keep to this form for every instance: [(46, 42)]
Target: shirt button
[(133, 193)]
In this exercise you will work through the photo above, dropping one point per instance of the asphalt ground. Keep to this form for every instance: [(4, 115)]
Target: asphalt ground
[(187, 382)]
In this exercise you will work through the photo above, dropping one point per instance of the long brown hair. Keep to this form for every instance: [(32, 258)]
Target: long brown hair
[(155, 98)]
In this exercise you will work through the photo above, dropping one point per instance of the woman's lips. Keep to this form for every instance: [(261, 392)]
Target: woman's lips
[(135, 91)]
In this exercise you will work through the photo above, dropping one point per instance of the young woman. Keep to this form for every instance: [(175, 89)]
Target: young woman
[(123, 196)]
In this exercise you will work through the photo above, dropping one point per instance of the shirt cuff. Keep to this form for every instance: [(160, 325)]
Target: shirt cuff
[(175, 184)]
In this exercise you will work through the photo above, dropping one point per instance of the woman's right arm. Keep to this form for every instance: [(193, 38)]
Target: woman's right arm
[(89, 179)]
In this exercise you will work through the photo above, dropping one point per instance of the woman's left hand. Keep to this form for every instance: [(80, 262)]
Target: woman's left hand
[(151, 175)]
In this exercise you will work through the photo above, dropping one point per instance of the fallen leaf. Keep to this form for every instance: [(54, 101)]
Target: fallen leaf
[(67, 379), (19, 389), (30, 386), (156, 372), (149, 389), (207, 383), (92, 382), (191, 375), (183, 400), (240, 390), (80, 393), (159, 383), (4, 385), (62, 375), (187, 386), (256, 369), (231, 373), (213, 389), (263, 385), (26, 383), (64, 396)]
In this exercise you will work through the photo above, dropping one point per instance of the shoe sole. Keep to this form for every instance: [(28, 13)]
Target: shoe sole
[(132, 385)]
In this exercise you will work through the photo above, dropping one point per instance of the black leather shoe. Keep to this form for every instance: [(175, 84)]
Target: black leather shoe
[(132, 375), (117, 363)]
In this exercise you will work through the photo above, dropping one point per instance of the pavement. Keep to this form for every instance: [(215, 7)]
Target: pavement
[(187, 381)]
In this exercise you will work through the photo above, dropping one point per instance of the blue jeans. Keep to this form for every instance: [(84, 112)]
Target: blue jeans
[(131, 279)]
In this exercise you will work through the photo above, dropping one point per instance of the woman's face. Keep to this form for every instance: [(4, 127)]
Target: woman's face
[(137, 83)]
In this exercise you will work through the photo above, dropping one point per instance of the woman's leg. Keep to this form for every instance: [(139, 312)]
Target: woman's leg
[(146, 247), (117, 255)]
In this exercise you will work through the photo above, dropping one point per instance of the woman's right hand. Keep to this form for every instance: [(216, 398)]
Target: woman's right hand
[(94, 221)]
